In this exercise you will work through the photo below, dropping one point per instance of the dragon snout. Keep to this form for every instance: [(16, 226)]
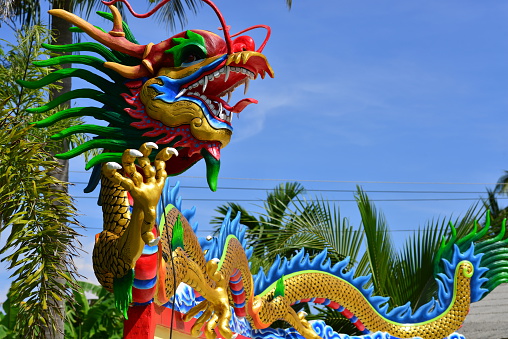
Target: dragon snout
[(243, 43)]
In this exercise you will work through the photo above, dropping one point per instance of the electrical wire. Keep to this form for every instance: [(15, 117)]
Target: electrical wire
[(322, 190), (331, 200), (174, 273), (339, 181)]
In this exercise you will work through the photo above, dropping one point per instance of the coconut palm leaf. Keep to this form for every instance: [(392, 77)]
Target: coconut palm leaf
[(380, 254), (246, 218), (267, 224), (502, 184), (315, 225), (497, 214)]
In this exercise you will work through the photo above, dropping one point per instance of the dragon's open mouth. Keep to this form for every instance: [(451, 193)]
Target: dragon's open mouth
[(220, 81)]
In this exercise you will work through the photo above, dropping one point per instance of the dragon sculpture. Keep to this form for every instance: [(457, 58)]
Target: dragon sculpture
[(168, 96)]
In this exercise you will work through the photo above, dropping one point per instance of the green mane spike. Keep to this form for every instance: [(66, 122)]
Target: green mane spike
[(88, 60), (279, 288), (103, 158), (115, 145), (122, 288), (112, 132), (103, 84), (177, 236), (85, 47), (95, 112), (81, 93)]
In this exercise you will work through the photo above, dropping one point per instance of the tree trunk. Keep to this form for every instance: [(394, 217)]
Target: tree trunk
[(62, 36)]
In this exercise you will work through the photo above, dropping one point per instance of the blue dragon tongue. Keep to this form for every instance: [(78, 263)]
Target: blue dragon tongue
[(212, 169)]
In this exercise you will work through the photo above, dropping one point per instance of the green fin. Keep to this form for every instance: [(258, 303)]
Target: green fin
[(177, 239), (279, 288), (122, 288)]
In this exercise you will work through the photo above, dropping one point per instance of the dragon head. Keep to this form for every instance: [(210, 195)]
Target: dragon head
[(188, 90), (175, 93)]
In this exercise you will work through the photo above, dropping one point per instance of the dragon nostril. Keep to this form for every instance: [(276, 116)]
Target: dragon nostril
[(243, 43)]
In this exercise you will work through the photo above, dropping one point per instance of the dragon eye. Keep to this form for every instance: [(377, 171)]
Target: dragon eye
[(192, 55), (190, 58)]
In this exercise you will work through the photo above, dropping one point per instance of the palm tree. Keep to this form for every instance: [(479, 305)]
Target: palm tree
[(92, 315), (42, 239), (263, 229), (491, 203), (315, 224)]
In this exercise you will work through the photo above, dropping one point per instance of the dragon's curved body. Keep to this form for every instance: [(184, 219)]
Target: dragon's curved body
[(168, 96)]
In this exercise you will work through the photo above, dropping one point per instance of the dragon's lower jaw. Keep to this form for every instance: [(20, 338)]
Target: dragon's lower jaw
[(181, 163)]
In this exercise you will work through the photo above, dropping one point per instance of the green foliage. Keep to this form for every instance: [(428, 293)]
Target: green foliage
[(8, 317), (497, 213), (93, 318), (291, 222), (37, 218), (265, 231), (91, 315), (408, 274), (16, 65)]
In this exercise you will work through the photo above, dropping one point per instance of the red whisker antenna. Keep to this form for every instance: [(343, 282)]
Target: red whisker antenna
[(227, 37), (267, 37)]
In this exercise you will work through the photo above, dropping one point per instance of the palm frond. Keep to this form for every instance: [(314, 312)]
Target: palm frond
[(414, 272), (380, 254), (42, 240), (279, 200), (502, 184), (315, 225), (174, 13)]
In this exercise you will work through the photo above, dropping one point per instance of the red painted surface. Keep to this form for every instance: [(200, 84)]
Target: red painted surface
[(146, 267), (240, 312), (347, 313), (144, 319), (238, 299), (333, 305), (359, 325), (143, 296)]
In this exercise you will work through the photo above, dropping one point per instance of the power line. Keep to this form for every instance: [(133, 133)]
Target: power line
[(323, 190), (331, 200), (352, 181), (212, 230), (339, 181)]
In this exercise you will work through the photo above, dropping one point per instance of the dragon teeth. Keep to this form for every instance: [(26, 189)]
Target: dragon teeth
[(205, 83), (246, 88), (182, 92), (228, 70)]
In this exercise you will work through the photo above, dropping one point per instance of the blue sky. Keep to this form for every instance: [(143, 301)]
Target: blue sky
[(379, 94)]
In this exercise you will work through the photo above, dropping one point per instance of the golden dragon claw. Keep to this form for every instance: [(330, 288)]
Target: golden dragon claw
[(145, 189), (216, 308)]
